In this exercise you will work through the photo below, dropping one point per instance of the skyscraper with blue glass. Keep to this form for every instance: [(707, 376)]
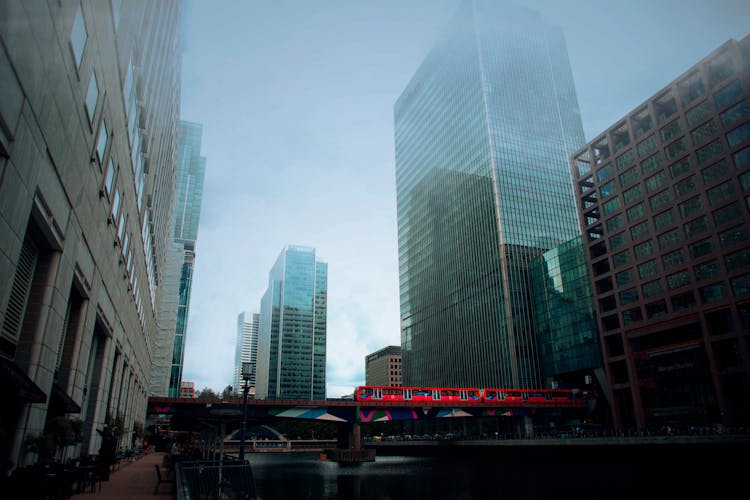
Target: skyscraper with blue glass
[(174, 300), (291, 361), (483, 131)]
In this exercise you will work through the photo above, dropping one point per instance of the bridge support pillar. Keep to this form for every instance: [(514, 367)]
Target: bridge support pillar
[(349, 447)]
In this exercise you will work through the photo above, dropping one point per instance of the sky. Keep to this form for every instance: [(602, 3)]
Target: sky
[(296, 102)]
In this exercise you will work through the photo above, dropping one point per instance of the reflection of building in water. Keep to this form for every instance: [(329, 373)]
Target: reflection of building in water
[(663, 197)]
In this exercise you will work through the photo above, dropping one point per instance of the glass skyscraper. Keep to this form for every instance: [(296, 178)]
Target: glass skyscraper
[(181, 255), (292, 340), (246, 348), (483, 131)]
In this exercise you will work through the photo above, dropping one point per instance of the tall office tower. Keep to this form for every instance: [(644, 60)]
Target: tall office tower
[(663, 199), (246, 349), (292, 334), (181, 257), (383, 367), (483, 131), (88, 126)]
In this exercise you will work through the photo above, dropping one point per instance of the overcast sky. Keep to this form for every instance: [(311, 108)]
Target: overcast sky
[(296, 102)]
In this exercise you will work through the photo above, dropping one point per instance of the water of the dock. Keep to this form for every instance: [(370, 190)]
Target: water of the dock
[(132, 480)]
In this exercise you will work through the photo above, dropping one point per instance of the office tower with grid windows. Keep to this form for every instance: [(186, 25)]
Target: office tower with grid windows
[(482, 138), (663, 197), (88, 145), (246, 349), (292, 333), (383, 367)]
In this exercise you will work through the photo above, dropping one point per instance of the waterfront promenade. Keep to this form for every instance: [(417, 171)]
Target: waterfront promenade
[(132, 480)]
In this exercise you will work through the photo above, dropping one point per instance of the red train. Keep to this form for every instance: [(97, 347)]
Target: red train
[(470, 394)]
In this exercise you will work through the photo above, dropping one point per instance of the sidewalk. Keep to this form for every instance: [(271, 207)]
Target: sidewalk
[(132, 480)]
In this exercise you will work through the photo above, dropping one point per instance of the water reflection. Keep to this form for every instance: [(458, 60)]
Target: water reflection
[(303, 476)]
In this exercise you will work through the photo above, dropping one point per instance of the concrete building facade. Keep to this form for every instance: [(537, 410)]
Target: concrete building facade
[(383, 367), (88, 127), (663, 198), (246, 350)]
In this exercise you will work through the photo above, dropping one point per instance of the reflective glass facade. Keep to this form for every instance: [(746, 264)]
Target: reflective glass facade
[(563, 311), (482, 140), (292, 333), (187, 208)]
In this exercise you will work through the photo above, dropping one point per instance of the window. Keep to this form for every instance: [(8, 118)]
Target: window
[(669, 239), (628, 296), (116, 4), (629, 177), (78, 36), (698, 114), (732, 236), (648, 269), (617, 241), (632, 194), (644, 249), (624, 277), (656, 181), (651, 164), (728, 94), (673, 259), (663, 219), (701, 248), (607, 189), (734, 114), (610, 206), (714, 172), (651, 288), (745, 181), (708, 152), (648, 145), (720, 68), (642, 123), (116, 205), (680, 168), (690, 207), (666, 106), (656, 309), (636, 212), (707, 270), (678, 280), (621, 137), (696, 226), (121, 225), (726, 214), (739, 135), (127, 86), (624, 160), (683, 301), (109, 177), (638, 231), (741, 284), (671, 131), (631, 316), (685, 186), (691, 88), (676, 149), (738, 259), (92, 96), (101, 145), (704, 132), (721, 193), (742, 158), (712, 293), (604, 173), (660, 200), (620, 259), (614, 223)]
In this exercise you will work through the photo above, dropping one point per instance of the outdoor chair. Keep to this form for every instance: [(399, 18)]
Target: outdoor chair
[(161, 479)]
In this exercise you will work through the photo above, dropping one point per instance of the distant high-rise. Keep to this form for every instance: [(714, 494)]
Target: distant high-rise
[(483, 131), (246, 349), (187, 208), (663, 197), (89, 111), (292, 333), (383, 367)]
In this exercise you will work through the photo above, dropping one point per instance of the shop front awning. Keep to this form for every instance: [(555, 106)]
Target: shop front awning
[(16, 380), (60, 397)]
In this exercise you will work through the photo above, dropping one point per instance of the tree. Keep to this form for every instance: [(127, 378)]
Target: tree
[(207, 393), (227, 393)]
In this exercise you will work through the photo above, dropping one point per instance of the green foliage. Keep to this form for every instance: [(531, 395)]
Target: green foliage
[(207, 393)]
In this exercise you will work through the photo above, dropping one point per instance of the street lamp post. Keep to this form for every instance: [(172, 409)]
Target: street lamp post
[(246, 373)]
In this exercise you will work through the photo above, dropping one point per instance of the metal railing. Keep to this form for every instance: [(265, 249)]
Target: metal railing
[(215, 480)]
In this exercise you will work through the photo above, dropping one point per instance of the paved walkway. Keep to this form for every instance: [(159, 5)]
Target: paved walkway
[(132, 480)]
